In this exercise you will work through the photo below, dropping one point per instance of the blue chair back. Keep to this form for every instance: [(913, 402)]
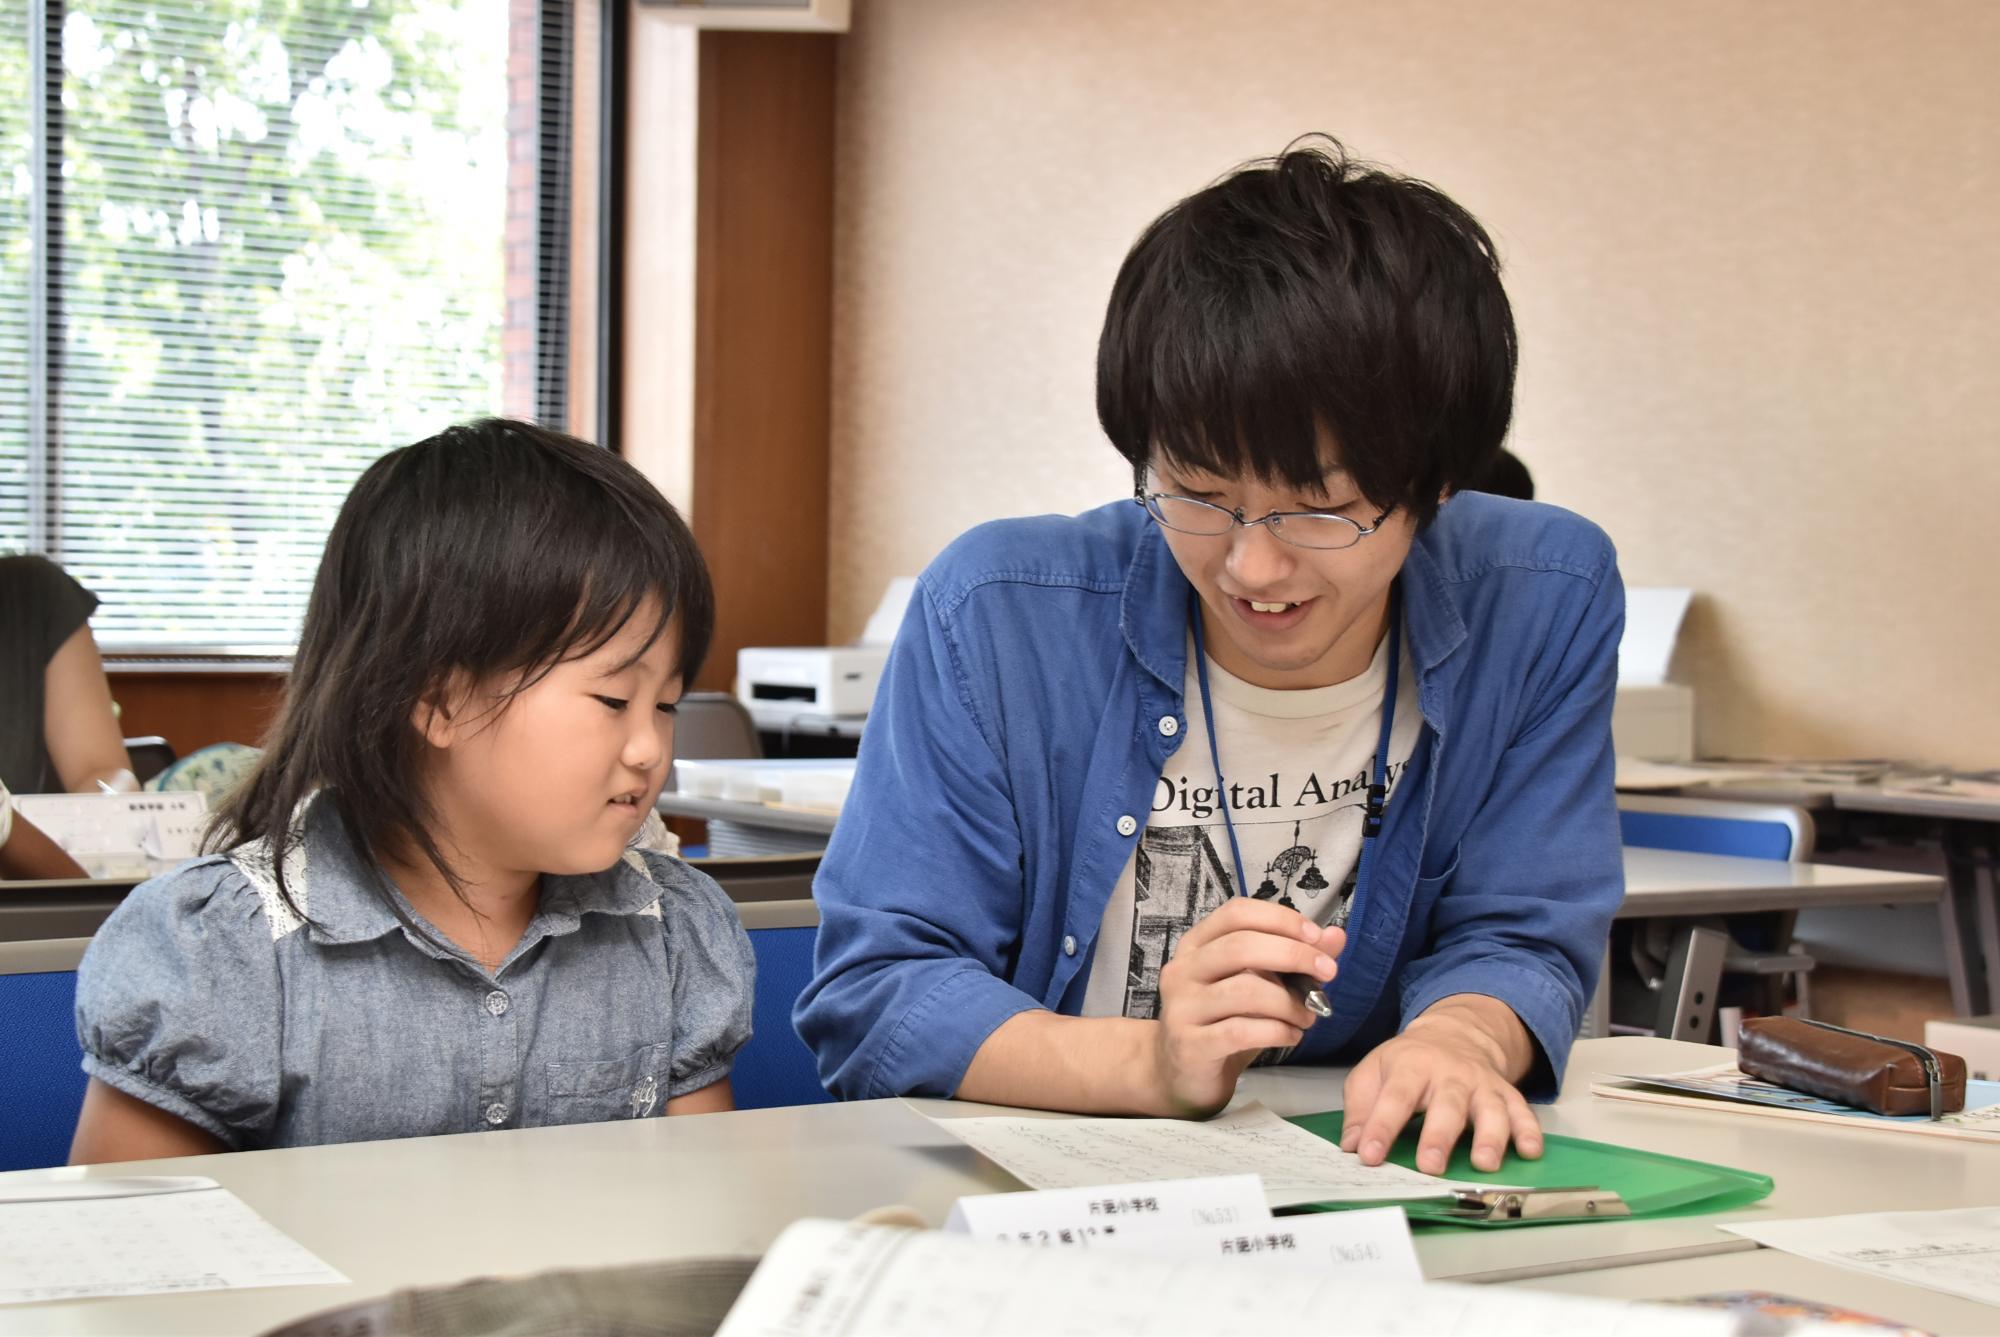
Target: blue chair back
[(776, 1068), (1712, 826), (39, 1054)]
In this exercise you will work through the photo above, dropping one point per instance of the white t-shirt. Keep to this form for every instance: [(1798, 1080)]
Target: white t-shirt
[(1299, 764)]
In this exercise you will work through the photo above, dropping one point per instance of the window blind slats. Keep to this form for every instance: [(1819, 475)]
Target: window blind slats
[(282, 251)]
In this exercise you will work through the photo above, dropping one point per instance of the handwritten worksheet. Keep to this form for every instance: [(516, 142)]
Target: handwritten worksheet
[(75, 1243), (1296, 1166), (1957, 1252), (834, 1277)]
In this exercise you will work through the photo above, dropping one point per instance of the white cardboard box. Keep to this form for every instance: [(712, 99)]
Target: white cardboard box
[(1653, 721), (1974, 1039)]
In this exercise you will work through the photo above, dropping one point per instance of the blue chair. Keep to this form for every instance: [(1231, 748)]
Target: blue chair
[(774, 898), (1687, 960), (776, 1068), (1714, 826), (38, 1051)]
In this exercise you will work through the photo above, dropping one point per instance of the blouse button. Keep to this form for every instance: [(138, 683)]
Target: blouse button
[(1169, 726), (496, 1002), (1069, 944), (496, 1114), (1127, 825)]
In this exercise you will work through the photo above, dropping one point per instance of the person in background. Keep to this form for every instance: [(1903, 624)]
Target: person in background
[(431, 913), (1508, 476), (1302, 751), (58, 729), (26, 853)]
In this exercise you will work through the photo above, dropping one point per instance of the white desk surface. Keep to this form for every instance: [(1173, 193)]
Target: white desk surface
[(1663, 882), (439, 1210)]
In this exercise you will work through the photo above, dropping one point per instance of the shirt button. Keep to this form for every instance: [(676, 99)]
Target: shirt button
[(496, 1002), (496, 1114), (1169, 726), (1127, 825), (1069, 944)]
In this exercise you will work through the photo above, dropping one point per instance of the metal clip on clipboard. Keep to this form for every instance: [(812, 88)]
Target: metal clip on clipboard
[(1532, 1204)]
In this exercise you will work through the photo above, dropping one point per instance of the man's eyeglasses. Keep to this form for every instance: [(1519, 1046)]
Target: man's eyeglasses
[(1302, 529)]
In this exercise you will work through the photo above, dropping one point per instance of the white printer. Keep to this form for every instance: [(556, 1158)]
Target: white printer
[(821, 687), (785, 686), (1652, 719)]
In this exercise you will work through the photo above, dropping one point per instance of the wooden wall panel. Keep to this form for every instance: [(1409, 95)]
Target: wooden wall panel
[(763, 336), (192, 710)]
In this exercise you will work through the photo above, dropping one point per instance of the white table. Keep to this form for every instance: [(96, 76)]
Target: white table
[(439, 1210), (1672, 882), (1966, 828)]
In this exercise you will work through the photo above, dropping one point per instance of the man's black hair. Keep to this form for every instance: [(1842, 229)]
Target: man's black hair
[(1304, 291)]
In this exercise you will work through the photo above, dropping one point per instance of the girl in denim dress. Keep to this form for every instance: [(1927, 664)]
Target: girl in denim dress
[(433, 906)]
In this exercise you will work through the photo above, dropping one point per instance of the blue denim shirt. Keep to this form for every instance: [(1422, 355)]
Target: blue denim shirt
[(1021, 726), (205, 996)]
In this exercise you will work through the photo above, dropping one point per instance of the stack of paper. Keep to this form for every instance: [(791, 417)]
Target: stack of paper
[(827, 1277), (67, 1238), (1957, 1252)]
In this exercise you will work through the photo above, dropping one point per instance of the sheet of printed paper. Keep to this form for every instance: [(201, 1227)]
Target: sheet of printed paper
[(1957, 1252), (120, 835), (75, 1247), (828, 1277), (1372, 1242), (1103, 1214), (1296, 1167), (1196, 1219)]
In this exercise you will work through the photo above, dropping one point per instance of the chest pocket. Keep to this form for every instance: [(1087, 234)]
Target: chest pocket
[(634, 1087)]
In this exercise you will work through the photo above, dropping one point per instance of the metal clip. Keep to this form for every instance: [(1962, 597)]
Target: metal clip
[(1536, 1204)]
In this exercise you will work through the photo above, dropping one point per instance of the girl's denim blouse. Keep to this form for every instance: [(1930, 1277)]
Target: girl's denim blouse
[(205, 996)]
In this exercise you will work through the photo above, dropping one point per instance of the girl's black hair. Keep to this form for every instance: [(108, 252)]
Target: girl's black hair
[(497, 549), (1304, 290)]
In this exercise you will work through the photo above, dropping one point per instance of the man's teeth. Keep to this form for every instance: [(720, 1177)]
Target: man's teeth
[(1269, 608)]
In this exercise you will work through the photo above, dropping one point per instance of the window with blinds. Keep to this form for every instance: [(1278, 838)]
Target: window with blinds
[(246, 248)]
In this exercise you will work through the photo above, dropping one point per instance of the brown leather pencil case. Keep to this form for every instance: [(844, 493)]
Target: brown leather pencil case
[(1871, 1072)]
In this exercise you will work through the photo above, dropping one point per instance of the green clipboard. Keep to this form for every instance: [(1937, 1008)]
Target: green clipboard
[(1652, 1185)]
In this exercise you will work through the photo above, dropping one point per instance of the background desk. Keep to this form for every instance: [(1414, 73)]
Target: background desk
[(58, 909), (437, 1210), (1965, 828)]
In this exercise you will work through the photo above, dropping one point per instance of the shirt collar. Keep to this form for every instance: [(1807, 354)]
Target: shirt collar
[(348, 899), (1154, 615)]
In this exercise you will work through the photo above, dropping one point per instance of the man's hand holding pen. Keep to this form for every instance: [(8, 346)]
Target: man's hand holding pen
[(1235, 986)]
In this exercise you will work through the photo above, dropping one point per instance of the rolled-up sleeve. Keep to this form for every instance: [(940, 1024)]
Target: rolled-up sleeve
[(922, 892), (178, 1003), (1525, 914)]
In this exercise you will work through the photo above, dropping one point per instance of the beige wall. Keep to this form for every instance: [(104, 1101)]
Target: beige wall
[(1749, 247)]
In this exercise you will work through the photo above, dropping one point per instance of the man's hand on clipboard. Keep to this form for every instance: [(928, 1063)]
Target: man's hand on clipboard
[(1457, 1065)]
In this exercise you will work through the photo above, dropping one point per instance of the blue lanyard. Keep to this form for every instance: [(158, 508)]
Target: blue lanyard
[(1378, 788)]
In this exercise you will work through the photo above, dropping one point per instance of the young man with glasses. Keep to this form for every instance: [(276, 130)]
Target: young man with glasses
[(1306, 755)]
